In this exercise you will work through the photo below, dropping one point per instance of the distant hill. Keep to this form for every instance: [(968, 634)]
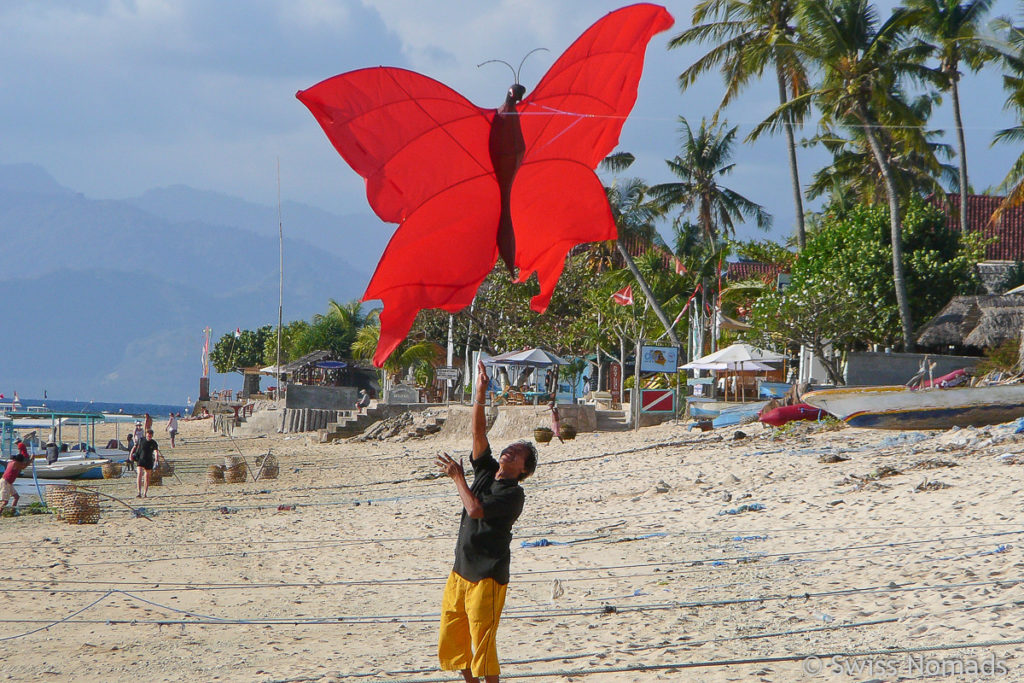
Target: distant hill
[(106, 300)]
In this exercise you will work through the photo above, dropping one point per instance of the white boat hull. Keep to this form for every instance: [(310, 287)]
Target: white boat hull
[(64, 469), (897, 407)]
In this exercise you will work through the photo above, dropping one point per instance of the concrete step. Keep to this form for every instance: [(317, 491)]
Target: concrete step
[(611, 421)]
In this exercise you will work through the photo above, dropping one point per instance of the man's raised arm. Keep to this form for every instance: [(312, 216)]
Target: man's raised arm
[(479, 421)]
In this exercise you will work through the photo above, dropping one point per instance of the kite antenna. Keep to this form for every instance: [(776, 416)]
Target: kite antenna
[(501, 61), (536, 49)]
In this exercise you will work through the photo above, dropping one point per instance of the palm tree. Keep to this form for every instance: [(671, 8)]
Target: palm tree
[(635, 214), (914, 157), (410, 353), (751, 36), (705, 156), (861, 63), (351, 313), (954, 30), (1013, 84)]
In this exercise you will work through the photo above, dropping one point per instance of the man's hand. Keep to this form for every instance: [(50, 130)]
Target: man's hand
[(482, 382), (447, 464)]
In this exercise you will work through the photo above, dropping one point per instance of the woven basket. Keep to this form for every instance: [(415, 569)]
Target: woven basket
[(81, 507), (269, 467), (54, 497), (568, 432), (235, 471), (542, 434), (215, 474), (156, 477), (112, 470), (166, 467)]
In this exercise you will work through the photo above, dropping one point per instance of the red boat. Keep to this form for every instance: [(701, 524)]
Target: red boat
[(783, 414)]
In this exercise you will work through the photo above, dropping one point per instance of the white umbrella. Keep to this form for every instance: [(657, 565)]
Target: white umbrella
[(535, 357), (738, 356)]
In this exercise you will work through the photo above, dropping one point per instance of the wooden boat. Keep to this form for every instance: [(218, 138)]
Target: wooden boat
[(66, 468), (899, 407)]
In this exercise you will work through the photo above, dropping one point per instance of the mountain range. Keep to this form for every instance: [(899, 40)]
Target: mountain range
[(106, 299)]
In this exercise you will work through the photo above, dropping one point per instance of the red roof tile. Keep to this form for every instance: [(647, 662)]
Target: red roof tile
[(1009, 231)]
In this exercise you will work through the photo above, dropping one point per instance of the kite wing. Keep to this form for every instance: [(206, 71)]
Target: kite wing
[(570, 122), (422, 149)]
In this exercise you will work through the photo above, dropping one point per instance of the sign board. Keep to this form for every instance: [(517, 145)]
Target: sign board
[(615, 381), (657, 400), (447, 372), (659, 359)]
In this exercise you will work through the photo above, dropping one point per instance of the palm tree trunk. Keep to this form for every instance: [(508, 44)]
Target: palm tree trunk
[(958, 121), (647, 292), (801, 235), (895, 224)]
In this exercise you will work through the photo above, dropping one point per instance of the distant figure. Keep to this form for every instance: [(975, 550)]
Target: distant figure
[(135, 440), (172, 427), (148, 455), (14, 467), (52, 452), (149, 422), (556, 425), (363, 402), (586, 386)]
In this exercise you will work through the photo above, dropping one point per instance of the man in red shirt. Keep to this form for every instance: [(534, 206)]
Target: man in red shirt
[(14, 467)]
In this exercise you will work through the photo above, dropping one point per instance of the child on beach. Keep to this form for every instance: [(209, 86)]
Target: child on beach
[(14, 467)]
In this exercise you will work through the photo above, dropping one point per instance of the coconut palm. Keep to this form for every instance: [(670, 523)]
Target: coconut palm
[(411, 353), (1013, 83), (915, 156), (861, 63), (635, 214), (953, 29), (705, 156), (751, 36)]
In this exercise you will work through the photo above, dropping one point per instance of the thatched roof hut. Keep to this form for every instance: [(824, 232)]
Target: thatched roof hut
[(975, 322)]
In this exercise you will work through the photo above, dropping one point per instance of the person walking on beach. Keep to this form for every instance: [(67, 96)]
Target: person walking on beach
[(16, 464), (556, 424), (148, 455), (172, 427), (149, 422), (475, 592)]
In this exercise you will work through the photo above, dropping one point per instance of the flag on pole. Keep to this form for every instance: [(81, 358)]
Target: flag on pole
[(624, 297), (680, 268), (238, 332)]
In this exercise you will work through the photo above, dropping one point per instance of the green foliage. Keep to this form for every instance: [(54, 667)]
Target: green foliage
[(230, 354), (1014, 278), (842, 288), (1002, 358), (290, 335)]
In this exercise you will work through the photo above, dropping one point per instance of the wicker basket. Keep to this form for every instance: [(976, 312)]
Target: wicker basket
[(81, 507), (269, 469), (54, 497), (112, 470), (542, 434), (235, 470), (568, 432), (156, 477), (215, 474), (166, 467)]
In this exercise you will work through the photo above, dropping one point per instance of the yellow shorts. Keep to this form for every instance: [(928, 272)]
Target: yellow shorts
[(469, 625)]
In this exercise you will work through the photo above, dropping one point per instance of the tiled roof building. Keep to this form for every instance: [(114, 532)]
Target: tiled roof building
[(1009, 230)]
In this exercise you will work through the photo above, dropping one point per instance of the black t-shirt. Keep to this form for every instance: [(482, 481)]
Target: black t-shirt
[(482, 550), (147, 454)]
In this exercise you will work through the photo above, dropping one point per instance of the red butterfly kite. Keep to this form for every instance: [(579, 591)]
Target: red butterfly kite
[(466, 183)]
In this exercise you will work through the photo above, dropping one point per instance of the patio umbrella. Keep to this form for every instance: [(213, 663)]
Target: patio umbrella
[(738, 356), (534, 357)]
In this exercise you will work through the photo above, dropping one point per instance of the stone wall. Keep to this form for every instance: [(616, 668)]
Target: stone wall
[(300, 396)]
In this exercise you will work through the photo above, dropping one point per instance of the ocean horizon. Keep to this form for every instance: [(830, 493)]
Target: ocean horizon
[(156, 410)]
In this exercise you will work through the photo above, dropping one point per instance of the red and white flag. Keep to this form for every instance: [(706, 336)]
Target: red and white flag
[(624, 297), (238, 332), (680, 268)]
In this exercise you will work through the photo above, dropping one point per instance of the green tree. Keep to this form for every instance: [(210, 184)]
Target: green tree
[(230, 354), (290, 334), (411, 353), (1012, 54), (953, 29), (861, 63), (751, 36), (840, 292), (706, 156)]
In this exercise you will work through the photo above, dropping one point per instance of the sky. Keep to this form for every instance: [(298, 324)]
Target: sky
[(115, 97)]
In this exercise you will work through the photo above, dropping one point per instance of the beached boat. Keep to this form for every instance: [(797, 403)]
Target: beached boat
[(70, 468), (899, 407)]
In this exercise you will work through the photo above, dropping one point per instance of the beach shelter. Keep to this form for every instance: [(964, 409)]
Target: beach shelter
[(737, 357), (516, 363)]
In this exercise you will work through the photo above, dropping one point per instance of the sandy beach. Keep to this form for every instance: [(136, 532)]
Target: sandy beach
[(661, 554)]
